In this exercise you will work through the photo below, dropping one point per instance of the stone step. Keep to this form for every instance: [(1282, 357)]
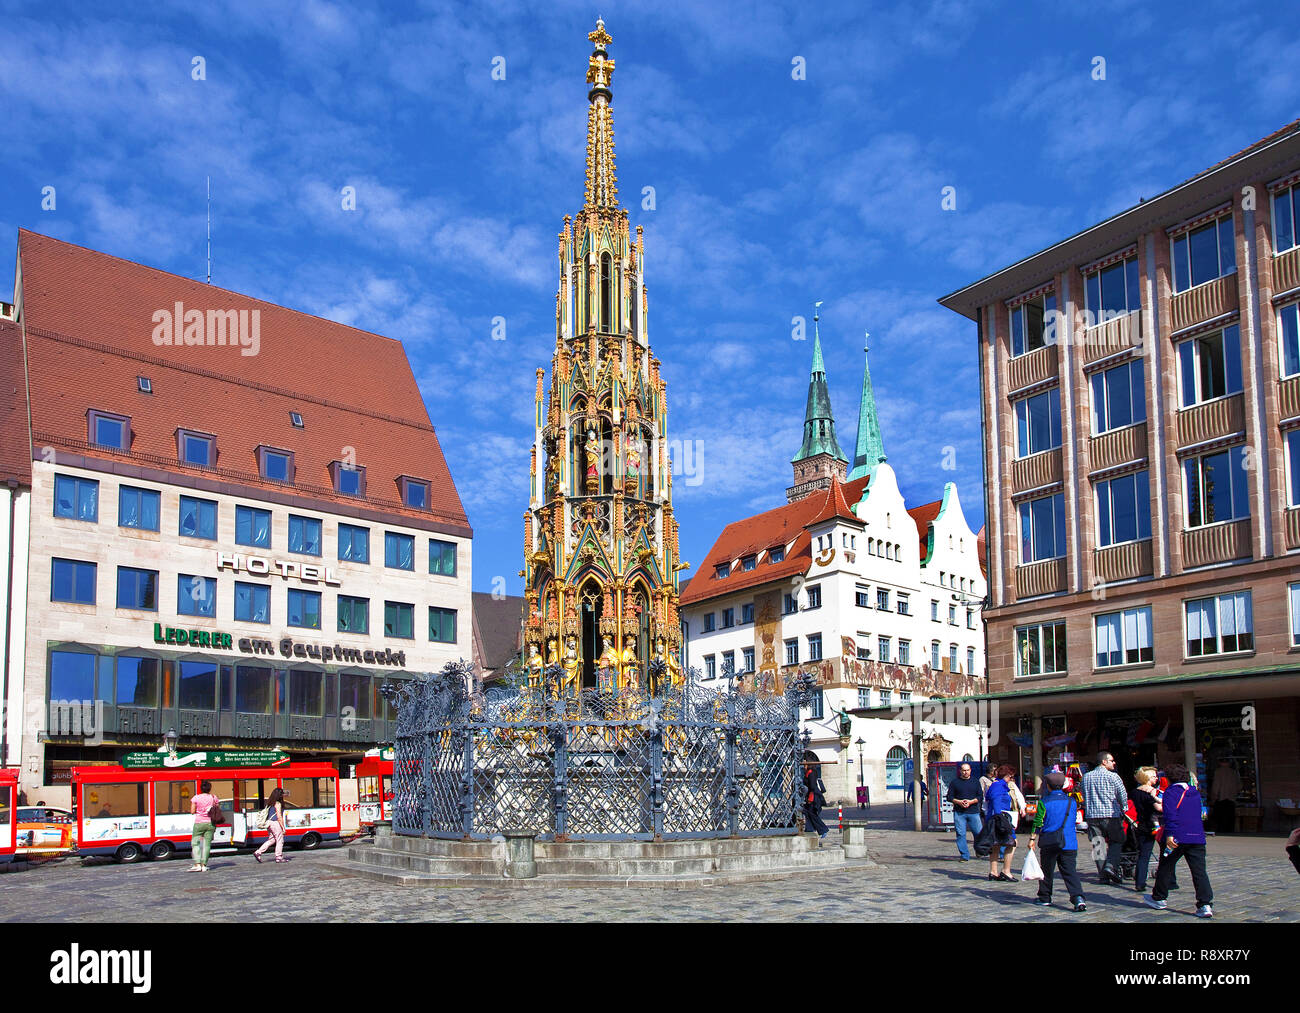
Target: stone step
[(633, 850)]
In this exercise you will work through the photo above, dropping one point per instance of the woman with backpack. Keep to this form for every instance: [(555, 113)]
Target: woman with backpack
[(203, 806), (274, 825)]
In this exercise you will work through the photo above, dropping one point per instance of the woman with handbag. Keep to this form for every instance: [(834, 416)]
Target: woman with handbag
[(207, 815), (998, 808), (274, 825)]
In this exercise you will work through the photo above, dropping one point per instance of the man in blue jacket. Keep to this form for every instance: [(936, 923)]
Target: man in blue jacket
[(1184, 837), (1057, 842)]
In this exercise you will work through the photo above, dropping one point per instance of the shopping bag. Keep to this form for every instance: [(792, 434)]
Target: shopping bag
[(1032, 870)]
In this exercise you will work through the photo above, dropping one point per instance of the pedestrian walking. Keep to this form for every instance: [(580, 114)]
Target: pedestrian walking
[(1104, 803), (1057, 842), (998, 806), (814, 795), (1184, 837), (274, 825), (201, 807), (964, 796), (1293, 848), (1146, 800)]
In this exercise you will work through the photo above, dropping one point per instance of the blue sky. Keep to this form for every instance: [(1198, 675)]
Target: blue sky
[(770, 192)]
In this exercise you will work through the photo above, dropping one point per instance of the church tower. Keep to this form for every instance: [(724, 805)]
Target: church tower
[(820, 458), (869, 449), (600, 539)]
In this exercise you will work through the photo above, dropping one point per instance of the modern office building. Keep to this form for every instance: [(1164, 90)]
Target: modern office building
[(884, 622), (242, 524), (1140, 386)]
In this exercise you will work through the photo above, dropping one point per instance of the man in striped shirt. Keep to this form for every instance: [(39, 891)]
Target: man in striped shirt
[(1104, 803)]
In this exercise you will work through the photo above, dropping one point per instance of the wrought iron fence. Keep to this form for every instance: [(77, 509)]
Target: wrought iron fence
[(689, 762)]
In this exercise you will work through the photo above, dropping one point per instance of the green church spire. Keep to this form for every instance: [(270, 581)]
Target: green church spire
[(818, 420), (869, 450)]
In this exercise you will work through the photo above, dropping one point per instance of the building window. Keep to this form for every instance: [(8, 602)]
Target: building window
[(1209, 366), (776, 555), (1293, 593), (304, 609), (729, 662), (442, 557), (197, 449), (814, 647), (415, 493), (442, 625), (728, 618), (952, 615), (1288, 318), (882, 599), (252, 527), (1119, 396), (1124, 638), (76, 498), (1203, 254), (304, 535), (353, 614), (792, 651), (1124, 509), (252, 603), (144, 385), (864, 698), (1219, 625), (886, 698), (138, 508), (1038, 423), (817, 705), (295, 418), (722, 570), (1112, 291), (354, 543), (1293, 464), (349, 480), (198, 518), (73, 581), (970, 661), (904, 696), (748, 563), (883, 644), (903, 605), (952, 657), (1286, 214), (789, 604), (710, 622), (864, 653), (399, 620), (275, 465), (747, 655), (815, 597), (747, 613), (970, 619), (399, 551), (864, 599), (109, 430), (1215, 487), (710, 667), (196, 596), (137, 589), (905, 652), (935, 663), (934, 610), (1033, 324), (1042, 528), (1040, 650)]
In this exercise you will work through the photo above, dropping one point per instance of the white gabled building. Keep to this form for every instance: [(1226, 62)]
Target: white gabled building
[(880, 602)]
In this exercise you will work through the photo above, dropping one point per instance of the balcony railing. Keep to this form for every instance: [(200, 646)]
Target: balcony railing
[(1204, 302), (1289, 397), (1036, 471), (1045, 577), (1112, 336), (1293, 528), (1120, 446), (1216, 543), (1033, 367), (1123, 562), (1286, 271), (1213, 420)]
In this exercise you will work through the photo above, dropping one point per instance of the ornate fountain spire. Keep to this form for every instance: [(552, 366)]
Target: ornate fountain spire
[(602, 180)]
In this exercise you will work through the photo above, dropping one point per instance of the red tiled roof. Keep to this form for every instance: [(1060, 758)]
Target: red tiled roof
[(780, 526), (923, 516), (89, 323), (15, 437)]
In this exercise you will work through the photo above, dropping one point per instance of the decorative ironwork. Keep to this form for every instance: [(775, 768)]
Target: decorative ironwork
[(675, 762)]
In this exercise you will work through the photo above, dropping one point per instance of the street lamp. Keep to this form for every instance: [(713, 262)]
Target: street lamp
[(860, 743), (170, 740)]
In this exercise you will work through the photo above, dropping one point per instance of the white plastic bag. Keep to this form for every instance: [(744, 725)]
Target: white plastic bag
[(1032, 870)]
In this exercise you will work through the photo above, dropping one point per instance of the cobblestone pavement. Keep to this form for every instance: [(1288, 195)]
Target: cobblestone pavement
[(918, 878)]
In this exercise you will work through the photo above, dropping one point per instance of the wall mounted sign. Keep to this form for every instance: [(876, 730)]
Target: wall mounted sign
[(286, 647), (207, 758), (263, 566)]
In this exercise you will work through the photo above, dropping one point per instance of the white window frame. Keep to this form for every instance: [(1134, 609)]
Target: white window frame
[(1094, 313), (1137, 397), (1292, 194), (1126, 629), (1235, 458), (1024, 448), (1290, 309), (1058, 633), (1142, 508), (1293, 606), (904, 652), (1186, 234), (1235, 599)]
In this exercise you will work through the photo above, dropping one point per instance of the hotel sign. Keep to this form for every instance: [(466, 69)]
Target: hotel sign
[(263, 566)]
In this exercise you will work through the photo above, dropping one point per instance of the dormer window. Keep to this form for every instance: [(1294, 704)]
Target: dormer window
[(144, 384), (275, 465), (199, 449), (776, 555), (348, 481), (296, 419), (109, 430), (722, 570), (748, 562), (415, 492)]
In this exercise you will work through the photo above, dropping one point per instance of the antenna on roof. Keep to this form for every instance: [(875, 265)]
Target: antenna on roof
[(209, 230)]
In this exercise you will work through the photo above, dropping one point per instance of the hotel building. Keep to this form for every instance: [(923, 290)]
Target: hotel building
[(242, 523), (1140, 386)]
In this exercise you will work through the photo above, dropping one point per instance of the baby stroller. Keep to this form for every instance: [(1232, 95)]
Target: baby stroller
[(1129, 852)]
